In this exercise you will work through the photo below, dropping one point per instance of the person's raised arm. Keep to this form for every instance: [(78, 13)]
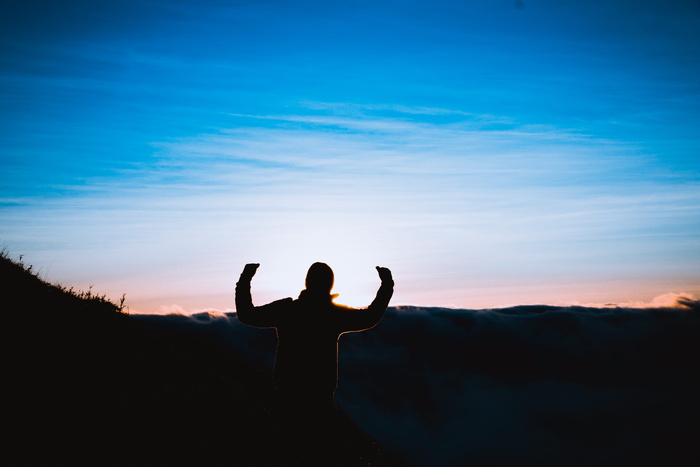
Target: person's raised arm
[(386, 290), (265, 316), (244, 301), (360, 320)]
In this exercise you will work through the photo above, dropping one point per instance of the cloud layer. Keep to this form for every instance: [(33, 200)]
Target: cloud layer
[(528, 385)]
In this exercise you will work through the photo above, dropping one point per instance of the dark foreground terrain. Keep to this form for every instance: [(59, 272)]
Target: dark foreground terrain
[(87, 384)]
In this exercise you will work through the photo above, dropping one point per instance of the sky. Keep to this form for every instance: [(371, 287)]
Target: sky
[(490, 153)]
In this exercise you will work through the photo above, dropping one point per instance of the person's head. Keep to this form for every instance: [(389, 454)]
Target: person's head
[(319, 279)]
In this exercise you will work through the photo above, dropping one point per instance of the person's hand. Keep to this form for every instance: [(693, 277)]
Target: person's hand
[(385, 274), (249, 271)]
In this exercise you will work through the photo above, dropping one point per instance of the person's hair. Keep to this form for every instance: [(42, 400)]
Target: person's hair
[(319, 278)]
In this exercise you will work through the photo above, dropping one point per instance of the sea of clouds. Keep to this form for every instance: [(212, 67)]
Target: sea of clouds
[(526, 385)]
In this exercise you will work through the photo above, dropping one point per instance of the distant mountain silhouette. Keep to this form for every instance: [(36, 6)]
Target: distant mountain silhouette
[(87, 384)]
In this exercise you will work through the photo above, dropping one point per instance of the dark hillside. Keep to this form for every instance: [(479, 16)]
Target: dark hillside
[(88, 384)]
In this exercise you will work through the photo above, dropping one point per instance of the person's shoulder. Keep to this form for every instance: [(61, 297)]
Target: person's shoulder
[(282, 302), (342, 308)]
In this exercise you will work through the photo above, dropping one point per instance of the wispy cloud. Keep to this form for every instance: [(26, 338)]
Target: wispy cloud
[(426, 197)]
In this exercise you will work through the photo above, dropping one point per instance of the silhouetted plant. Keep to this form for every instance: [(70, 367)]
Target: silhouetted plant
[(87, 295)]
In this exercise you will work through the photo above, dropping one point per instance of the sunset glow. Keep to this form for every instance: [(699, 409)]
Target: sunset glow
[(488, 153)]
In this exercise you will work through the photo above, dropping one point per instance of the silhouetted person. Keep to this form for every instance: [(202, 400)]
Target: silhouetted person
[(306, 365)]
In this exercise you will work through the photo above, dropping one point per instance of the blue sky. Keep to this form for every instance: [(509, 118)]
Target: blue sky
[(489, 153)]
